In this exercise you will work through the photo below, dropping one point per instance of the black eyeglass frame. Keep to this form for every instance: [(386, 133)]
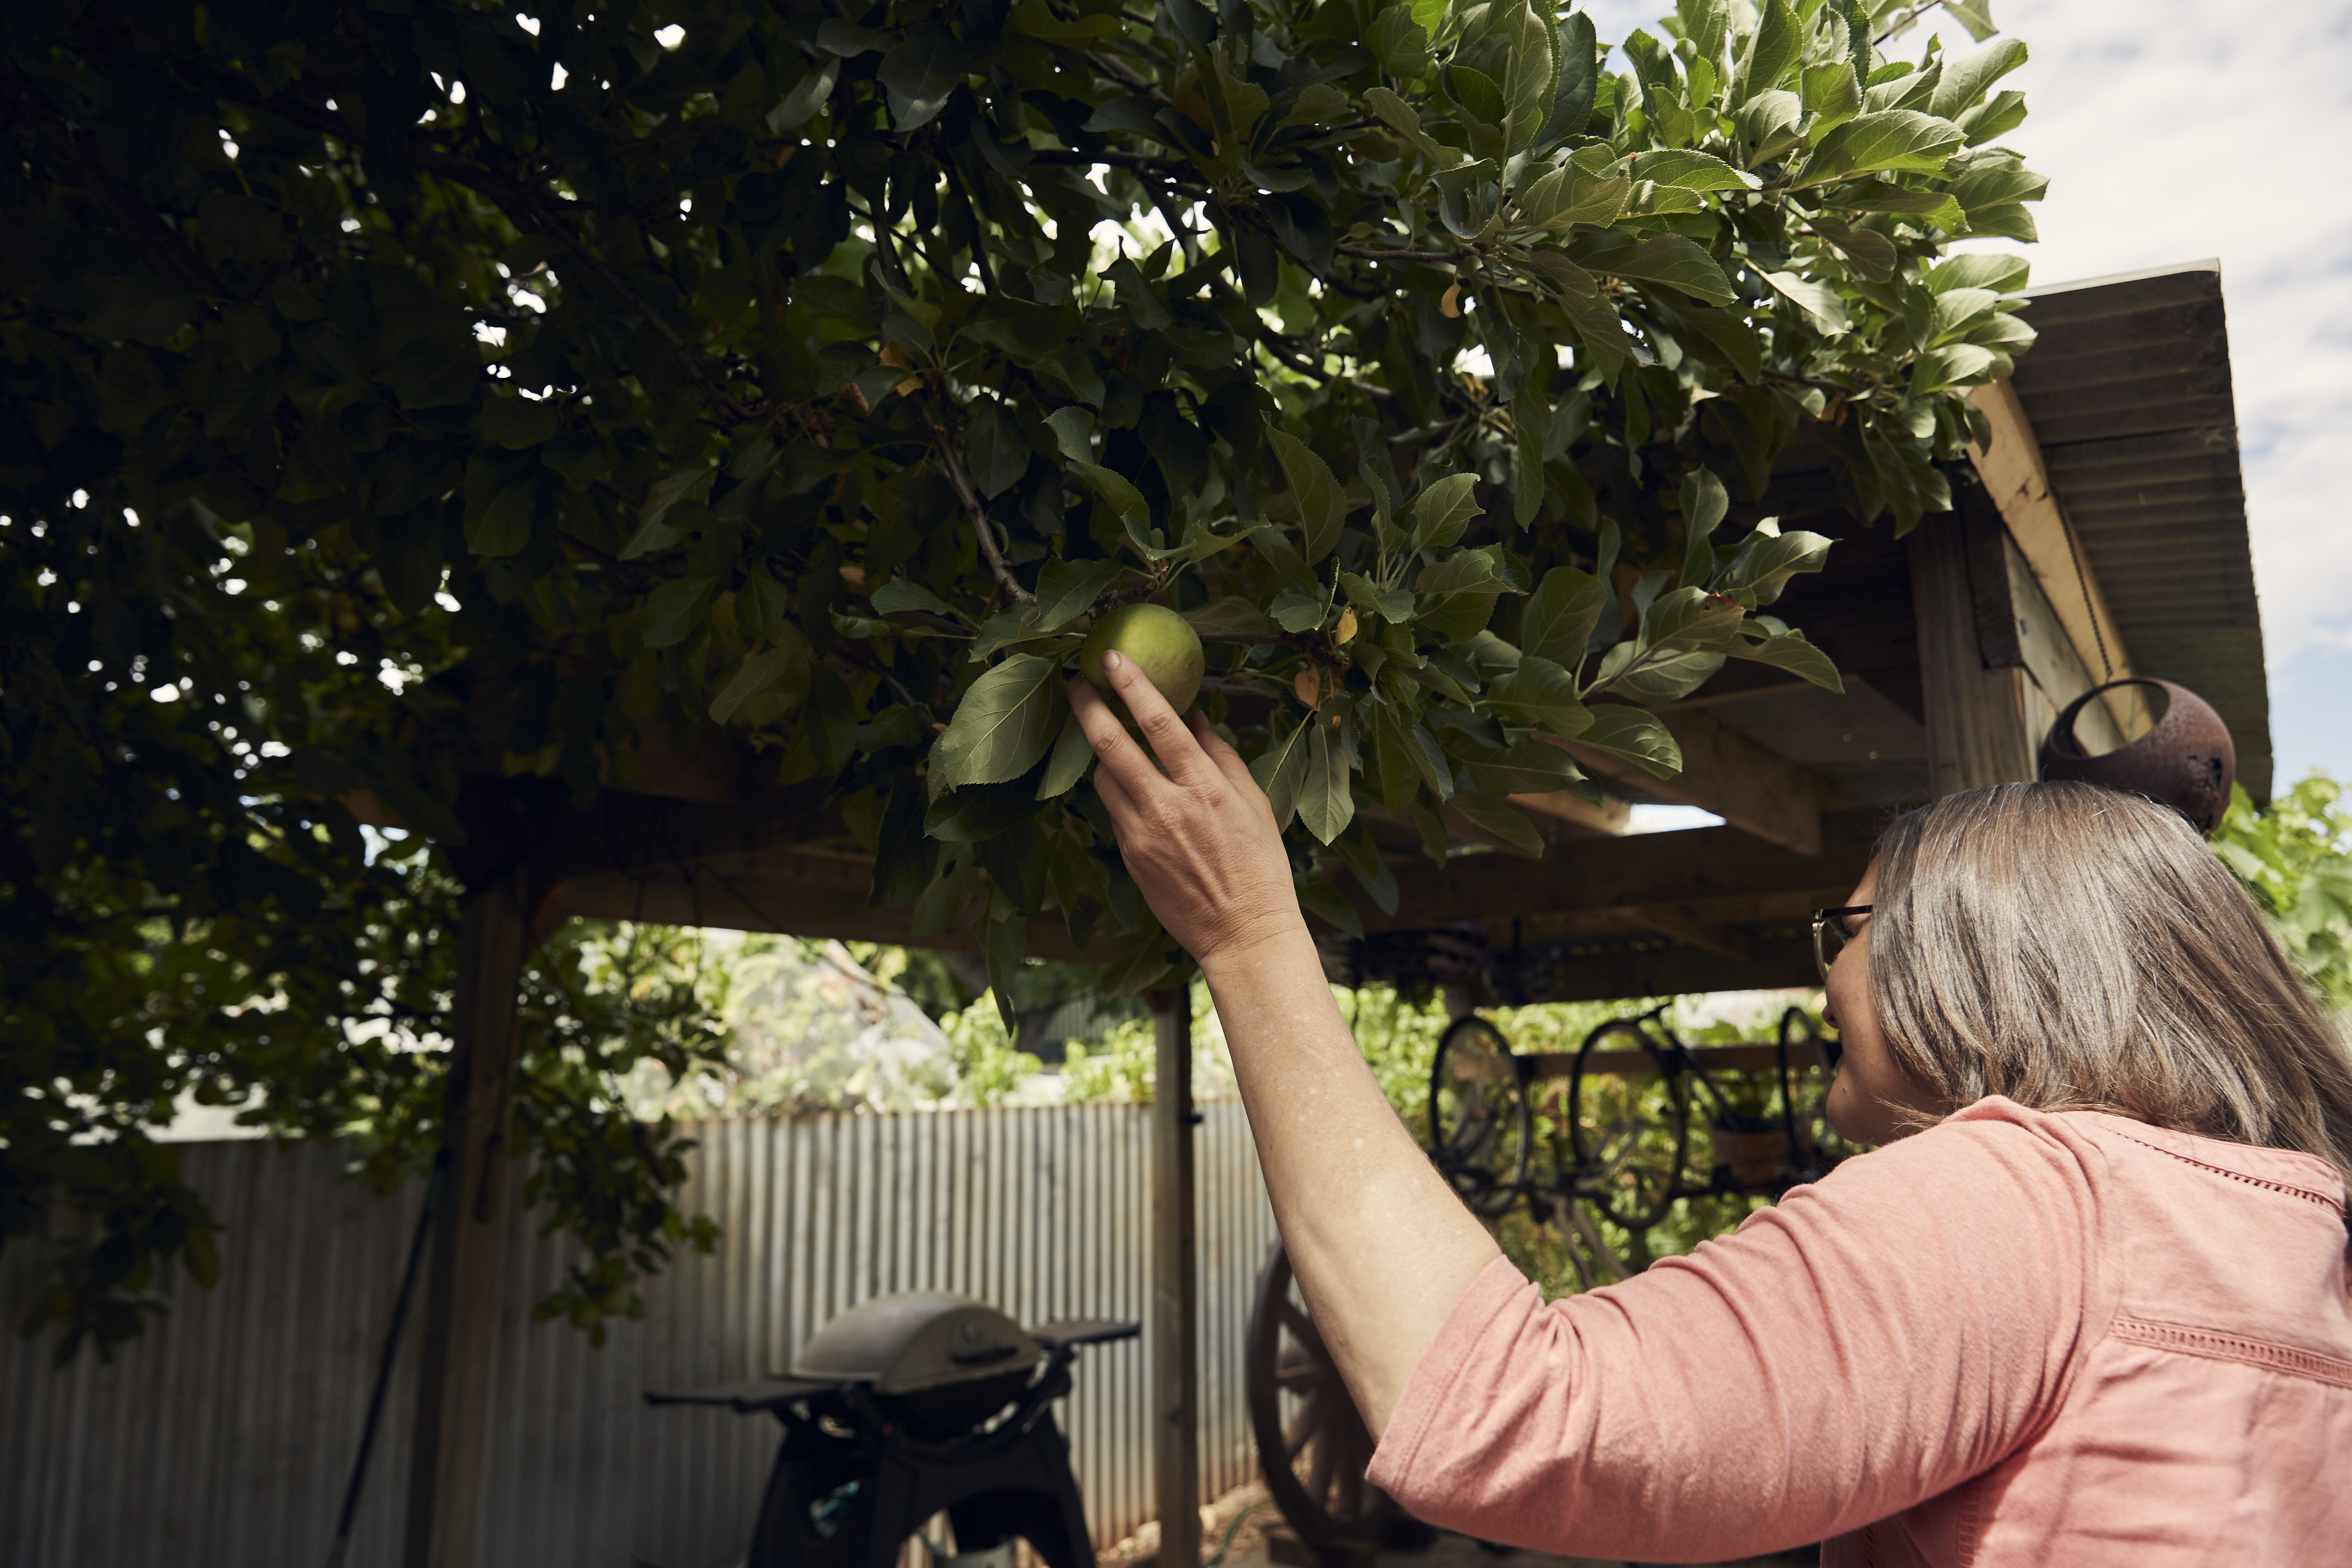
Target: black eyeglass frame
[(1822, 918)]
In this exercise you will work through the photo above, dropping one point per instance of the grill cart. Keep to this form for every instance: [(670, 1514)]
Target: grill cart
[(909, 1405)]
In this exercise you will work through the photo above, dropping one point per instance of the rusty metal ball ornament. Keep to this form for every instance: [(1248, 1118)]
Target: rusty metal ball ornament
[(2186, 761)]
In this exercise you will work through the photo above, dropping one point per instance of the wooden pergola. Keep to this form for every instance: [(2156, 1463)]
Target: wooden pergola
[(2107, 538)]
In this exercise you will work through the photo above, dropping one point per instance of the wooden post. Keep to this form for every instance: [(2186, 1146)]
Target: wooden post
[(453, 1393), (1174, 1328), (1979, 726)]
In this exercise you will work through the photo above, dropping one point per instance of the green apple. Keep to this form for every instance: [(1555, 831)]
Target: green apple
[(1162, 643)]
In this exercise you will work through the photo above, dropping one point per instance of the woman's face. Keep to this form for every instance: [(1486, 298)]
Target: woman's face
[(1868, 1099)]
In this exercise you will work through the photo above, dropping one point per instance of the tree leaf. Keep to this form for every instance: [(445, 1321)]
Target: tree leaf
[(1502, 821), (808, 95), (1316, 493), (780, 672), (1068, 589), (1636, 736), (1980, 269), (1330, 905), (1688, 169), (1791, 652), (1817, 301), (1541, 695), (1670, 259), (994, 449), (1001, 727), (503, 527), (1524, 767), (1777, 44), (1443, 510), (901, 595), (1666, 677), (1765, 562), (1127, 503), (1966, 81), (1529, 75), (1561, 614), (1577, 62), (1405, 120), (676, 607), (1976, 16), (920, 74), (1281, 770), (1327, 799), (1072, 754), (1901, 140), (1398, 42), (1956, 364), (1228, 617)]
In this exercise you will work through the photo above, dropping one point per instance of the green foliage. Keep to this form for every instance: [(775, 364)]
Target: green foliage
[(988, 1070), (400, 397), (1122, 1068), (2294, 856)]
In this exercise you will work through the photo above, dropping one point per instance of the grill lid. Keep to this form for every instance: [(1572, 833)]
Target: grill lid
[(917, 1340)]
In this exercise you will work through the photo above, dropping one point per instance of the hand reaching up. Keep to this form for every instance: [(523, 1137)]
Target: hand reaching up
[(1199, 839)]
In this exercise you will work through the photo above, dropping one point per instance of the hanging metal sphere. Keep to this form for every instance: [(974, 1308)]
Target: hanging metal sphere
[(2186, 761)]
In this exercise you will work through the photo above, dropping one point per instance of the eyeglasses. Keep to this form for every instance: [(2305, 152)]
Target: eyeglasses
[(1831, 933)]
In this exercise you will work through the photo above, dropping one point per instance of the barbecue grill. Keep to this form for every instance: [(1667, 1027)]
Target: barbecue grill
[(910, 1405)]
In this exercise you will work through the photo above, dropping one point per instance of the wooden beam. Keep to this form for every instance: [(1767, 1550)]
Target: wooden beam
[(1743, 910), (2018, 480), (2035, 640), (1585, 875), (461, 1304), (1683, 924), (1609, 814), (1175, 1288), (1781, 961), (1742, 781), (789, 892), (1979, 729)]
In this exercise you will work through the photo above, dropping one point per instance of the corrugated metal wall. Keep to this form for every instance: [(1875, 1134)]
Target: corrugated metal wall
[(221, 1439)]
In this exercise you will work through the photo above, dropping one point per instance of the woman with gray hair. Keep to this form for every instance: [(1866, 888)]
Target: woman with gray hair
[(2086, 1304)]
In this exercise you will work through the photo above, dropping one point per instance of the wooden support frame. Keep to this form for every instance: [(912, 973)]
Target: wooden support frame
[(1749, 785), (1174, 1329), (1979, 731), (1588, 885), (445, 1480), (2018, 480)]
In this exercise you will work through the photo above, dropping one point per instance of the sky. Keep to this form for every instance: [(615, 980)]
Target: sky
[(2175, 131)]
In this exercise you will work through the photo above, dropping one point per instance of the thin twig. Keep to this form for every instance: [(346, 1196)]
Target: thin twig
[(952, 462), (1375, 253)]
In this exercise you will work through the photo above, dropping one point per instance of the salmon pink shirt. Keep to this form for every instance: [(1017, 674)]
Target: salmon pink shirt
[(2015, 1338)]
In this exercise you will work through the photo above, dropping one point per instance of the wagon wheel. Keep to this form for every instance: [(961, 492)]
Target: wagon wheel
[(1629, 1156), (1478, 1125), (1311, 1444)]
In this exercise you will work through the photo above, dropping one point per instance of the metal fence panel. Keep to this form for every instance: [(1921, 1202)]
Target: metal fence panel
[(221, 1436)]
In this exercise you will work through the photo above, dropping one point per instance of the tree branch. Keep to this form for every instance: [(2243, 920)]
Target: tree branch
[(952, 461), (164, 252)]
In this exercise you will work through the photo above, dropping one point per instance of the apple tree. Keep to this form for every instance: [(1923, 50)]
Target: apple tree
[(818, 372)]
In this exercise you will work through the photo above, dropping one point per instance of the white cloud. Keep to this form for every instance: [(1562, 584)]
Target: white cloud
[(2173, 130), (2171, 133)]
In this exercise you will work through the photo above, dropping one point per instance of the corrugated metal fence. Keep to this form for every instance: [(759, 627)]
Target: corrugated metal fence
[(221, 1439)]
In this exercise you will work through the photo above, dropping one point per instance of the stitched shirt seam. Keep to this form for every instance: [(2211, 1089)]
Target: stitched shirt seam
[(2210, 1344), (2332, 1205)]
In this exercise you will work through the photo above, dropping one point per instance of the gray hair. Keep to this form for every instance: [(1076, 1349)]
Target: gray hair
[(2076, 949)]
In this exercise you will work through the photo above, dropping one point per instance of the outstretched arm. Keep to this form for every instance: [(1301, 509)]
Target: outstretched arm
[(1382, 1249)]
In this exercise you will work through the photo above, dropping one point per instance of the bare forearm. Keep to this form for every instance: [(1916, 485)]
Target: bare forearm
[(1382, 1247)]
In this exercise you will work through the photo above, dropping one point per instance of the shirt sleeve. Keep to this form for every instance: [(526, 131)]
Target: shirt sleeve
[(1871, 1340)]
